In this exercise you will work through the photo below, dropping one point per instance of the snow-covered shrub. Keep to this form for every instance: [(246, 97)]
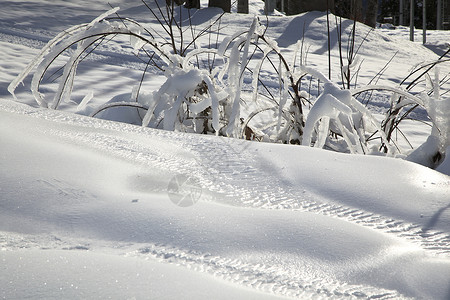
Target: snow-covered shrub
[(189, 92), (206, 87), (197, 96), (404, 102), (188, 99), (432, 152), (202, 98), (336, 111)]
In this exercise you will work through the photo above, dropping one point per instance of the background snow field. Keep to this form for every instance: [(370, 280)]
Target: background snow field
[(87, 204)]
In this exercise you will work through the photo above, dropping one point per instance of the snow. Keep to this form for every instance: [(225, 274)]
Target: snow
[(86, 208), (112, 275)]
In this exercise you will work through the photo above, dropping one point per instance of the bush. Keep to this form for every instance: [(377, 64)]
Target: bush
[(204, 87)]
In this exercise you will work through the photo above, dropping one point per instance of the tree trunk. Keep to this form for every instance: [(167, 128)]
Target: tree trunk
[(356, 13), (269, 6), (242, 6), (223, 4), (350, 9), (317, 5), (293, 7), (371, 13), (177, 2), (192, 4)]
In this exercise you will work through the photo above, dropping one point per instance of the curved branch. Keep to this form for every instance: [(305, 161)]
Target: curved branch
[(117, 104), (252, 115), (101, 33), (401, 92)]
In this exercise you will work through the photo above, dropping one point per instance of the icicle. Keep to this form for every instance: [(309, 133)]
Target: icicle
[(232, 129), (150, 112), (256, 72), (85, 100), (66, 83), (170, 115), (283, 99), (214, 104), (323, 130), (436, 86), (294, 56), (136, 42)]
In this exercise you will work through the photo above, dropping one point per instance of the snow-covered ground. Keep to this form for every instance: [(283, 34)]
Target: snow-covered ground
[(91, 208)]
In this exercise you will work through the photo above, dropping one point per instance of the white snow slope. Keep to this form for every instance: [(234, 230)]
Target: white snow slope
[(87, 206)]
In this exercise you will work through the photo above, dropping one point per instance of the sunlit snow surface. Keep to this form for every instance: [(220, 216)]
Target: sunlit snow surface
[(86, 205)]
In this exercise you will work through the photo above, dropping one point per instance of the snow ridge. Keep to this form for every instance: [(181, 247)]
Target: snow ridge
[(262, 277)]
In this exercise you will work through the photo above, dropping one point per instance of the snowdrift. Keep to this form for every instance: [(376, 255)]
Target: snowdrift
[(90, 194)]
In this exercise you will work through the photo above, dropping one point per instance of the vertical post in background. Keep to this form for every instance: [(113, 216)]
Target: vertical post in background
[(293, 7), (411, 21), (439, 15), (401, 11), (242, 6), (328, 42), (223, 4), (191, 3), (269, 6), (424, 21), (371, 12)]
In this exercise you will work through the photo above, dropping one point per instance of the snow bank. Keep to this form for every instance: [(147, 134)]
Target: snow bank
[(76, 183)]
